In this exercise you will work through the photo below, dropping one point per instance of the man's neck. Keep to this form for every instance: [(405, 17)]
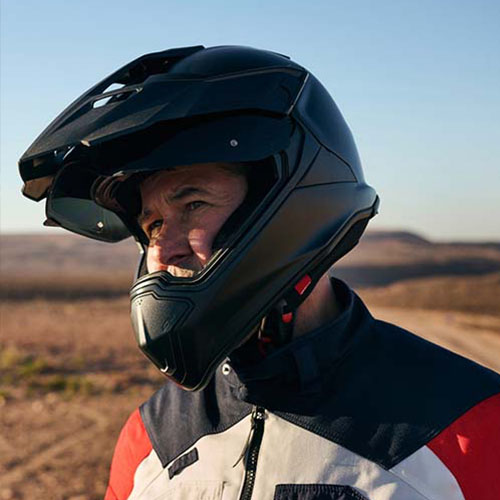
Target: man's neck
[(318, 309)]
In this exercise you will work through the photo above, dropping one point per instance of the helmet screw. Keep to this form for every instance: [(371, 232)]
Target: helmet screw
[(233, 143), (100, 225)]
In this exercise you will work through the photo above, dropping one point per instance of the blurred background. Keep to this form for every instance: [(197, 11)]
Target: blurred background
[(417, 82)]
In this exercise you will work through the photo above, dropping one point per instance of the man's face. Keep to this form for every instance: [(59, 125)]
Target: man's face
[(182, 213)]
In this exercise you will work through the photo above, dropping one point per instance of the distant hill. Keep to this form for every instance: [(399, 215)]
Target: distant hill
[(381, 258), (385, 257), (400, 236), (417, 239)]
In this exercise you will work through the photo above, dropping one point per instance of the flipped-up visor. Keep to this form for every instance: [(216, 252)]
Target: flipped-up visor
[(232, 139)]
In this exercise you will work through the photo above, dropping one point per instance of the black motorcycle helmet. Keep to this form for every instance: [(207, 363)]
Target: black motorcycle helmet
[(308, 202)]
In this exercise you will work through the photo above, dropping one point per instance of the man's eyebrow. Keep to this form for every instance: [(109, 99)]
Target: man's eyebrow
[(179, 195), (187, 191), (143, 216)]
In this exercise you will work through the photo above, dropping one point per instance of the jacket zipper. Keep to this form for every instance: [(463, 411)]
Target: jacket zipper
[(252, 453)]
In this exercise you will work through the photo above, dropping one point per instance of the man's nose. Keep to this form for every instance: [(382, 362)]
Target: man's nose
[(170, 248)]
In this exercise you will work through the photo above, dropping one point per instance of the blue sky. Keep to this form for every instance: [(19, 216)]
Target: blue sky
[(418, 82)]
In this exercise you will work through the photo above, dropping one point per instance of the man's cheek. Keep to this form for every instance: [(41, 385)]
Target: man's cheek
[(152, 259), (149, 261), (200, 241)]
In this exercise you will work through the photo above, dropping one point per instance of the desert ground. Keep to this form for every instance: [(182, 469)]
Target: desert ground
[(70, 372)]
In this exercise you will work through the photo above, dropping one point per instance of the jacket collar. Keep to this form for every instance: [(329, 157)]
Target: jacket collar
[(299, 374)]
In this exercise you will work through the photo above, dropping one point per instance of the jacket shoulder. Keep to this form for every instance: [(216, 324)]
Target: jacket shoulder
[(394, 392), (470, 449)]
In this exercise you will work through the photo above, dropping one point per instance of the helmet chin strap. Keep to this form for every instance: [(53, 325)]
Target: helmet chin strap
[(276, 329)]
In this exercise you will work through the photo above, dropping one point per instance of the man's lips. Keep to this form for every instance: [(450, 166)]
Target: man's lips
[(185, 267)]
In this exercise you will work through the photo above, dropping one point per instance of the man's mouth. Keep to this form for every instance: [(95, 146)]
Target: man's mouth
[(185, 268)]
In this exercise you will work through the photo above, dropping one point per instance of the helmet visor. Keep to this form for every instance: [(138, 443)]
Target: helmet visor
[(70, 205)]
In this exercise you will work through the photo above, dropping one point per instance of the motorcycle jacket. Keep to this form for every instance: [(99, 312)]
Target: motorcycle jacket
[(357, 409)]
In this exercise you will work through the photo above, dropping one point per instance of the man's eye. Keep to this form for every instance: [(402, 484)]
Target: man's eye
[(154, 226), (193, 205)]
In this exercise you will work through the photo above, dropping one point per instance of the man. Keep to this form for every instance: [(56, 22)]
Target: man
[(239, 179)]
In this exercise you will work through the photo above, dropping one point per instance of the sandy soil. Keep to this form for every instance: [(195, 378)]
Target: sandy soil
[(71, 374), (54, 447)]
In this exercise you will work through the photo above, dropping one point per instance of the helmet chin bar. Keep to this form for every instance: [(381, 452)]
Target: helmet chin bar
[(275, 329)]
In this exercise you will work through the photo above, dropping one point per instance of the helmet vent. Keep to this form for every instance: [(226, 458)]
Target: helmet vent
[(114, 96), (146, 68), (113, 86)]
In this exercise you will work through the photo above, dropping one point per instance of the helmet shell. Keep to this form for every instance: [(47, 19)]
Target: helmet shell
[(201, 105)]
